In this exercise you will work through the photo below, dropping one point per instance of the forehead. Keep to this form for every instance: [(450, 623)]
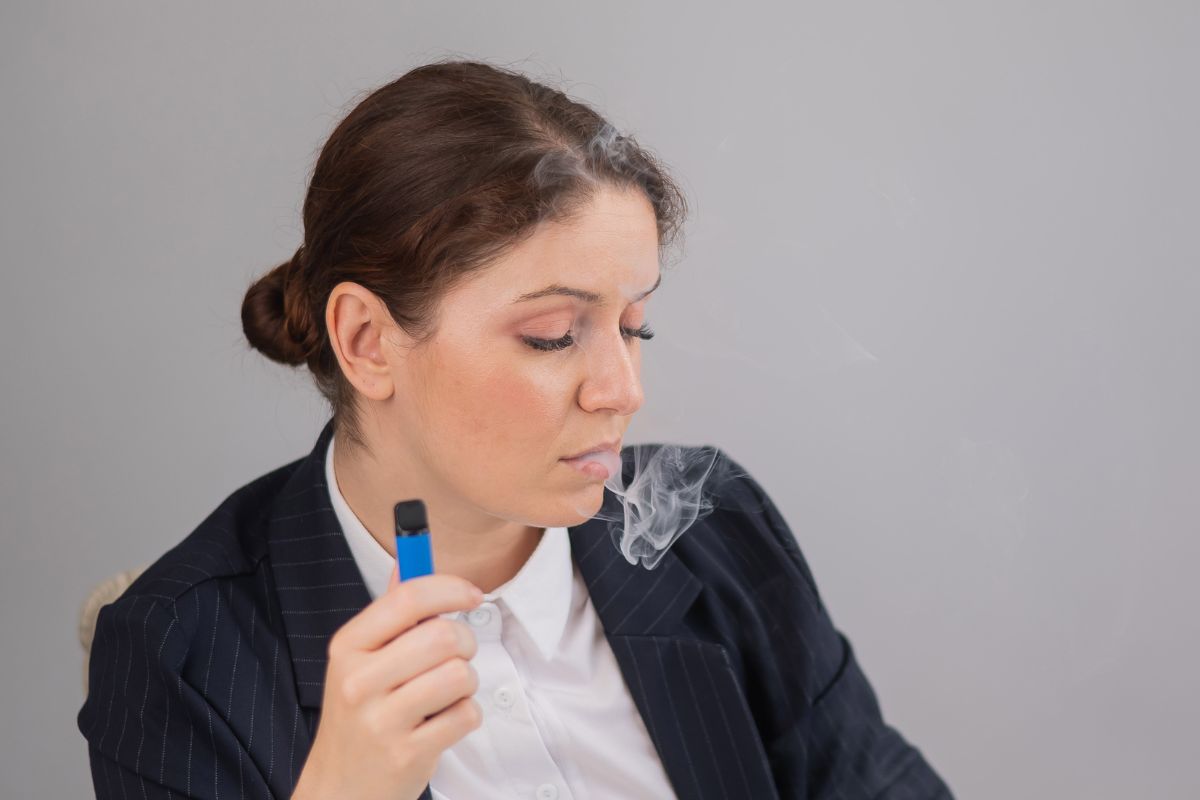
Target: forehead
[(610, 246)]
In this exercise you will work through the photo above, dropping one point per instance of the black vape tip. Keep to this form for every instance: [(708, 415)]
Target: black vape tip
[(410, 517)]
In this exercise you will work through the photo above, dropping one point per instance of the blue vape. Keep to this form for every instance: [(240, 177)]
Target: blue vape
[(412, 540)]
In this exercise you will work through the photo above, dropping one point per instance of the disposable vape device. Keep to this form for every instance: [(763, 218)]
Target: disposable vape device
[(412, 540)]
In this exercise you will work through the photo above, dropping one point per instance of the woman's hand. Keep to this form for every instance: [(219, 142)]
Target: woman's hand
[(398, 691)]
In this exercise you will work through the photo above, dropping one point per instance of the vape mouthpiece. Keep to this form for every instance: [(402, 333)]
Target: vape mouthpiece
[(410, 517)]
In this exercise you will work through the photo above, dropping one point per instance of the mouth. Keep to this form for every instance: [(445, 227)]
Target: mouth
[(599, 462), (613, 447)]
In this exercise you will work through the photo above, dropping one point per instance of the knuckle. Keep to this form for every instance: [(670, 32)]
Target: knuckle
[(403, 601), (472, 644), (460, 672), (473, 681), (446, 636), (474, 713)]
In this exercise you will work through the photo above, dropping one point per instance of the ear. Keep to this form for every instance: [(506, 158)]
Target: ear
[(360, 333)]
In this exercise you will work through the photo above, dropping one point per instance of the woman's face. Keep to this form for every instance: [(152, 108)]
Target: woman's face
[(488, 411)]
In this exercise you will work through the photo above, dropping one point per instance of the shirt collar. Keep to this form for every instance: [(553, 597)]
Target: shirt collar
[(538, 596), (373, 561)]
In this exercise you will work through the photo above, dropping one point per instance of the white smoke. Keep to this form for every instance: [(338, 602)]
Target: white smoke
[(571, 165), (671, 487)]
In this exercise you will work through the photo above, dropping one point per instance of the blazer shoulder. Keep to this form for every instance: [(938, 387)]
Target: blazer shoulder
[(229, 542), (748, 503)]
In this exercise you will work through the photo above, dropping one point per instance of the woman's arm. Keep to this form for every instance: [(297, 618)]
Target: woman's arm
[(829, 739), (150, 733), (111, 780)]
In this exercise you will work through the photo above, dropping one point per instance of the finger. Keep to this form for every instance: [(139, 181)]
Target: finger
[(406, 604), (432, 692), (417, 650), (442, 730)]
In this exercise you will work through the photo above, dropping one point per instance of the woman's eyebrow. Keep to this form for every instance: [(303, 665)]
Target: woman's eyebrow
[(589, 297)]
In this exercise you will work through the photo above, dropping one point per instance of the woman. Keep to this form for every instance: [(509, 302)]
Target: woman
[(471, 294)]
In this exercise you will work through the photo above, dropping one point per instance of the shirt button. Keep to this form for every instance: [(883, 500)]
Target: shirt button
[(480, 617), (547, 791), (504, 699)]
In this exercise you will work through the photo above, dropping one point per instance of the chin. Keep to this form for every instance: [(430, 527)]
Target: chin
[(575, 508)]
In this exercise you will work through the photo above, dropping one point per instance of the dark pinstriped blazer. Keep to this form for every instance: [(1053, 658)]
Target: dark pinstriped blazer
[(206, 674)]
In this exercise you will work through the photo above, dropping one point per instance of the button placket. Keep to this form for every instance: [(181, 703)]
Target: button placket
[(511, 730)]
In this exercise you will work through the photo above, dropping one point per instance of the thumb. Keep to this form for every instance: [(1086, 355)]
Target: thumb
[(394, 578)]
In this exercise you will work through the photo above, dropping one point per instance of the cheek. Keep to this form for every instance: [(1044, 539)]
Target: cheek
[(504, 405)]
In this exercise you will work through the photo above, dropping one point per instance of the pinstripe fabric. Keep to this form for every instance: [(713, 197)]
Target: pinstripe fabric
[(206, 674)]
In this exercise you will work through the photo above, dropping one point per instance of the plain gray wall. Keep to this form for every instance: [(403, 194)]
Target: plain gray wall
[(939, 294)]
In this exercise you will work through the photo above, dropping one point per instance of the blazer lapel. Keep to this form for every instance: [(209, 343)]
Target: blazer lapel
[(683, 685), (317, 582)]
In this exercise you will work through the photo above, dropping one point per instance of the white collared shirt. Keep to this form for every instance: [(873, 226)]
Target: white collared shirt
[(558, 720)]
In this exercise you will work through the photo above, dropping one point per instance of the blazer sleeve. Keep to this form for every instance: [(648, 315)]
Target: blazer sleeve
[(829, 739), (150, 733)]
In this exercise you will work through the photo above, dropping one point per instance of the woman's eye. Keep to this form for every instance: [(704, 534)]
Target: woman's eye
[(549, 344), (643, 332), (566, 341)]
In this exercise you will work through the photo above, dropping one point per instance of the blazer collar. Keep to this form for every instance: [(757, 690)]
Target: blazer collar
[(320, 588)]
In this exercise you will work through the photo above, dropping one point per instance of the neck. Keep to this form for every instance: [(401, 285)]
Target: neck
[(485, 550)]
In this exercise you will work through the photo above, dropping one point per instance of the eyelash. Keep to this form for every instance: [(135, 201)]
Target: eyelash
[(548, 345)]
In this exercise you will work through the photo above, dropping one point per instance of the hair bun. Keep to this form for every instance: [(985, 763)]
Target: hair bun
[(276, 315)]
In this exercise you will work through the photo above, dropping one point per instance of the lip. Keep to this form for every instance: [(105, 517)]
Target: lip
[(613, 446)]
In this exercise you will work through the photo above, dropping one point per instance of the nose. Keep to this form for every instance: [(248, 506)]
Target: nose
[(613, 379)]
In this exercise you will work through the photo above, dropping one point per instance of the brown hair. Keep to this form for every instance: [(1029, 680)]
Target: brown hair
[(429, 179)]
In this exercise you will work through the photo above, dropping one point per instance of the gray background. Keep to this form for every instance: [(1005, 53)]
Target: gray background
[(938, 294)]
